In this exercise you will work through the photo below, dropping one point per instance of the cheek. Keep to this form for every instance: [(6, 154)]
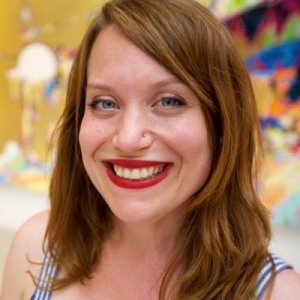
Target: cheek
[(191, 138), (194, 146), (84, 137), (90, 136)]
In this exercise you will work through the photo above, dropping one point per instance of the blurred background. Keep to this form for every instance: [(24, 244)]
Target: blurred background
[(38, 41)]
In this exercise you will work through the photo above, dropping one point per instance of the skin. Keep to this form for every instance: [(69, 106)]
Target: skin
[(125, 101), (146, 220)]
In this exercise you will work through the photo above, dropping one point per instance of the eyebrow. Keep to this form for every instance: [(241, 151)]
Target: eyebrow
[(160, 83), (99, 86)]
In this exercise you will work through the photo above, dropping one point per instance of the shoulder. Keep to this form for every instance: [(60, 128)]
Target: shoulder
[(286, 286), (29, 238), (26, 247)]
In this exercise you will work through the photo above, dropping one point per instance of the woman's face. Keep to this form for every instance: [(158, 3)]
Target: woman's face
[(143, 136)]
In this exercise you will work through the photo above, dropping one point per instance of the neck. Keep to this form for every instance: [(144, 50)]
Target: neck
[(146, 239), (141, 252)]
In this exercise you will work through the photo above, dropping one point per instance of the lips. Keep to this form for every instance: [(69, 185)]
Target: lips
[(136, 174)]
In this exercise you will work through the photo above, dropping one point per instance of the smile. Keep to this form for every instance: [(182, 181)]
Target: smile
[(136, 174)]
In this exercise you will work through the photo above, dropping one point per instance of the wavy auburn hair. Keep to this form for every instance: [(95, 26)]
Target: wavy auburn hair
[(223, 242)]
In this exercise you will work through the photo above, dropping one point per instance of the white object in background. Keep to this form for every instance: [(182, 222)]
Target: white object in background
[(11, 151), (36, 62)]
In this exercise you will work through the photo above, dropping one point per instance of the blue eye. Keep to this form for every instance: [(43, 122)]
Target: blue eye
[(104, 104), (171, 101)]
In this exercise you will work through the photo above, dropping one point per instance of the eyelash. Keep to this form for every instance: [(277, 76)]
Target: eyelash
[(177, 101), (172, 102), (97, 102)]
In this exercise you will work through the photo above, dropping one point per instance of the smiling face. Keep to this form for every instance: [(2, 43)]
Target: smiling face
[(143, 136)]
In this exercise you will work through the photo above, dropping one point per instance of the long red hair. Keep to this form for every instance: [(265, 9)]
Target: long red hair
[(223, 242)]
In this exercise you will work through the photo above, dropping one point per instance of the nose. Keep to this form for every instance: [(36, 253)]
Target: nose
[(133, 133)]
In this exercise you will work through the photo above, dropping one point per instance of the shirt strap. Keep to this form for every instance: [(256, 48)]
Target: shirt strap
[(264, 278), (47, 275)]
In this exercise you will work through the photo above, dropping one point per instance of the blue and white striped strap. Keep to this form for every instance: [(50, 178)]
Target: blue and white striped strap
[(266, 272), (48, 272)]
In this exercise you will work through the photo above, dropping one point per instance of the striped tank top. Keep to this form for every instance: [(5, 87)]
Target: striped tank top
[(49, 271)]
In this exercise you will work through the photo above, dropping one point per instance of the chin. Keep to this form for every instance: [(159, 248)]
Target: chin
[(133, 215)]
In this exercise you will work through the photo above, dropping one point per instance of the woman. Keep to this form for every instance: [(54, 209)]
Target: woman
[(152, 194)]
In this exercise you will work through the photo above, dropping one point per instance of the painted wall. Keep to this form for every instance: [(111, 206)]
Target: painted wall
[(58, 24)]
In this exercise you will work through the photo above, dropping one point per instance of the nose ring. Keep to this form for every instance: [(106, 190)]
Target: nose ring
[(143, 135)]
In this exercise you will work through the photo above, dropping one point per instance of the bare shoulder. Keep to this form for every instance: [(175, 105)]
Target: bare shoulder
[(25, 247), (286, 286)]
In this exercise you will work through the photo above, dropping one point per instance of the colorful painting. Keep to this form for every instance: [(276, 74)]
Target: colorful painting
[(268, 36)]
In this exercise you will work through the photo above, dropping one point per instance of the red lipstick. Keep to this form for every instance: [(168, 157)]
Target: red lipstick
[(132, 164)]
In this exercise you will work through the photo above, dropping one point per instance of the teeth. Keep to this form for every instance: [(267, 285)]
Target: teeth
[(126, 173), (144, 173), (119, 171), (136, 173)]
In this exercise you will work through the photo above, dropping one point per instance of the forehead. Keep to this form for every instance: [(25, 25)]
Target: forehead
[(114, 56)]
